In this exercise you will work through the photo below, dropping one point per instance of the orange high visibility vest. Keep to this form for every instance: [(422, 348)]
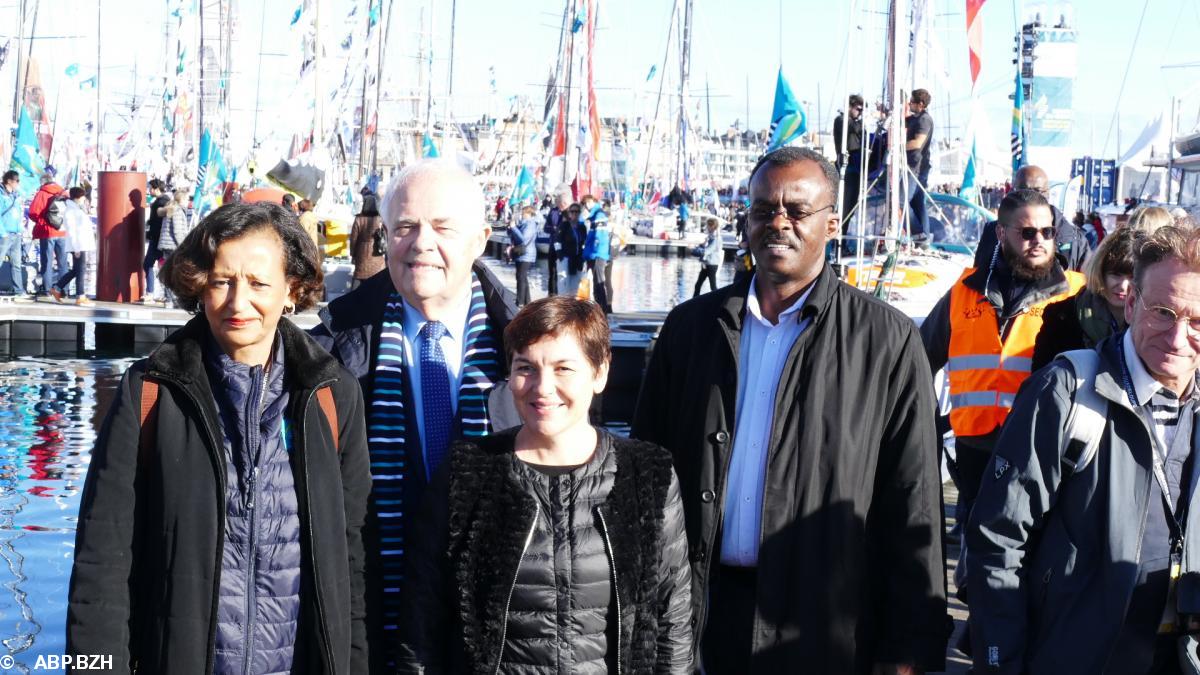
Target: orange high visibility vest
[(984, 372)]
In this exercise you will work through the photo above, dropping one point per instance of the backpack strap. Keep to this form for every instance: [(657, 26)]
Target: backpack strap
[(1088, 414), (147, 418), (325, 399)]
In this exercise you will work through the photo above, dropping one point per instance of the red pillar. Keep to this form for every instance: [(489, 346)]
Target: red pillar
[(122, 227)]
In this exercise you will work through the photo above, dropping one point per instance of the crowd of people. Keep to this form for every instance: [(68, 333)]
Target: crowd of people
[(417, 484), (59, 224), (582, 247)]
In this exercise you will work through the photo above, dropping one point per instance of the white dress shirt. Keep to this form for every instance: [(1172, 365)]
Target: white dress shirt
[(763, 352)]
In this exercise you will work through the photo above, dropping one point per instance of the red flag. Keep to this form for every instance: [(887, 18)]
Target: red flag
[(974, 37), (560, 128), (593, 112)]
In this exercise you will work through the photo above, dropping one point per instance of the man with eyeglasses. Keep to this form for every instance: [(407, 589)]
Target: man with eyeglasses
[(983, 332), (423, 338), (801, 418), (1071, 245), (1093, 565)]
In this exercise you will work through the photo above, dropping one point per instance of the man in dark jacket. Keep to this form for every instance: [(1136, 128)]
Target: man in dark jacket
[(562, 199), (801, 419), (424, 339), (1072, 247)]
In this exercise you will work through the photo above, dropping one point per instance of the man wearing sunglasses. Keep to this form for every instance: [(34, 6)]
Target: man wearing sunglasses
[(849, 156), (1071, 246), (1101, 553), (984, 329)]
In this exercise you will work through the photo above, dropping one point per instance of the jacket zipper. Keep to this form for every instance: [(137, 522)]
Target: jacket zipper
[(254, 449), (312, 543), (214, 442), (537, 510), (612, 562)]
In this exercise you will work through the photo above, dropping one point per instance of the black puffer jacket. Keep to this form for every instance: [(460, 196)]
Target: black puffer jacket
[(516, 569)]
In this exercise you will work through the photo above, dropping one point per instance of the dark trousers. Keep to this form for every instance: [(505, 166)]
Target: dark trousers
[(52, 253), (725, 646), (78, 273), (523, 283), (152, 256), (918, 223), (552, 271), (706, 272), (850, 198), (599, 291)]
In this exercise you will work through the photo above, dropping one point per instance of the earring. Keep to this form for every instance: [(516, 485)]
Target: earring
[(289, 309)]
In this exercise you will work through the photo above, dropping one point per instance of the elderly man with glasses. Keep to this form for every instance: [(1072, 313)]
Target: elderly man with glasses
[(1071, 246), (1076, 544), (801, 418), (984, 329)]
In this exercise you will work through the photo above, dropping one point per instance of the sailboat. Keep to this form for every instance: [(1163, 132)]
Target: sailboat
[(884, 260)]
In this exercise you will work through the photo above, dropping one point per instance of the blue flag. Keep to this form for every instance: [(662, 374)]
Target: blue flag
[(523, 189), (1018, 125), (428, 149), (967, 191), (27, 157), (653, 71), (788, 121), (210, 173)]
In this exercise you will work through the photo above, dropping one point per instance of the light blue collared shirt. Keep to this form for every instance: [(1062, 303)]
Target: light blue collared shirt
[(763, 352), (452, 346)]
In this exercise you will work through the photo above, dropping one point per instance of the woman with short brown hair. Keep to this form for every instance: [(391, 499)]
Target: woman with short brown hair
[(554, 545)]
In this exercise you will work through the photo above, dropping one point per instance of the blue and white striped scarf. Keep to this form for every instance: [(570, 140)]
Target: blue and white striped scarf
[(387, 433)]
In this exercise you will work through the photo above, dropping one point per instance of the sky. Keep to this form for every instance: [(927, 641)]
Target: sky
[(737, 48)]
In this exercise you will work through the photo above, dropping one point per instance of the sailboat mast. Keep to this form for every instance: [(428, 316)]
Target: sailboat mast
[(569, 93), (658, 102), (99, 109), (319, 121), (685, 58), (20, 61)]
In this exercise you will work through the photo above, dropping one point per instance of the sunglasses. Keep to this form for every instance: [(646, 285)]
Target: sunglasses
[(1028, 233)]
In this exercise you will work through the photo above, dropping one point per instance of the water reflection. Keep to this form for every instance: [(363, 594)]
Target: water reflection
[(641, 283), (49, 411)]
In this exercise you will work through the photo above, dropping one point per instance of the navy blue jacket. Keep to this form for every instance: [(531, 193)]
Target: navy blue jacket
[(256, 631)]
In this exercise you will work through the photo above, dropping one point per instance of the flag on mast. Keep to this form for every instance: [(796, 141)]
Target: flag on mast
[(428, 149), (1018, 125), (27, 158), (975, 48), (788, 121)]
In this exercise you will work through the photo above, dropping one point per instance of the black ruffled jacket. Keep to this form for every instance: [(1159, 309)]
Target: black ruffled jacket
[(462, 567)]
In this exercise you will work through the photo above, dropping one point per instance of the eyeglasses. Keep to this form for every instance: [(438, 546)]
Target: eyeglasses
[(1161, 318), (794, 214), (1028, 233)]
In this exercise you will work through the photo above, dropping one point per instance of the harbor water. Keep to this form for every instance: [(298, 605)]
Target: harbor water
[(50, 411)]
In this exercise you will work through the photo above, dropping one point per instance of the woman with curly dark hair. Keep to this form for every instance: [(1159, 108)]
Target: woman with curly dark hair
[(219, 530)]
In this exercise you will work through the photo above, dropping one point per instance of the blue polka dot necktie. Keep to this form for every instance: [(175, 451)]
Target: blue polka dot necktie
[(435, 395)]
